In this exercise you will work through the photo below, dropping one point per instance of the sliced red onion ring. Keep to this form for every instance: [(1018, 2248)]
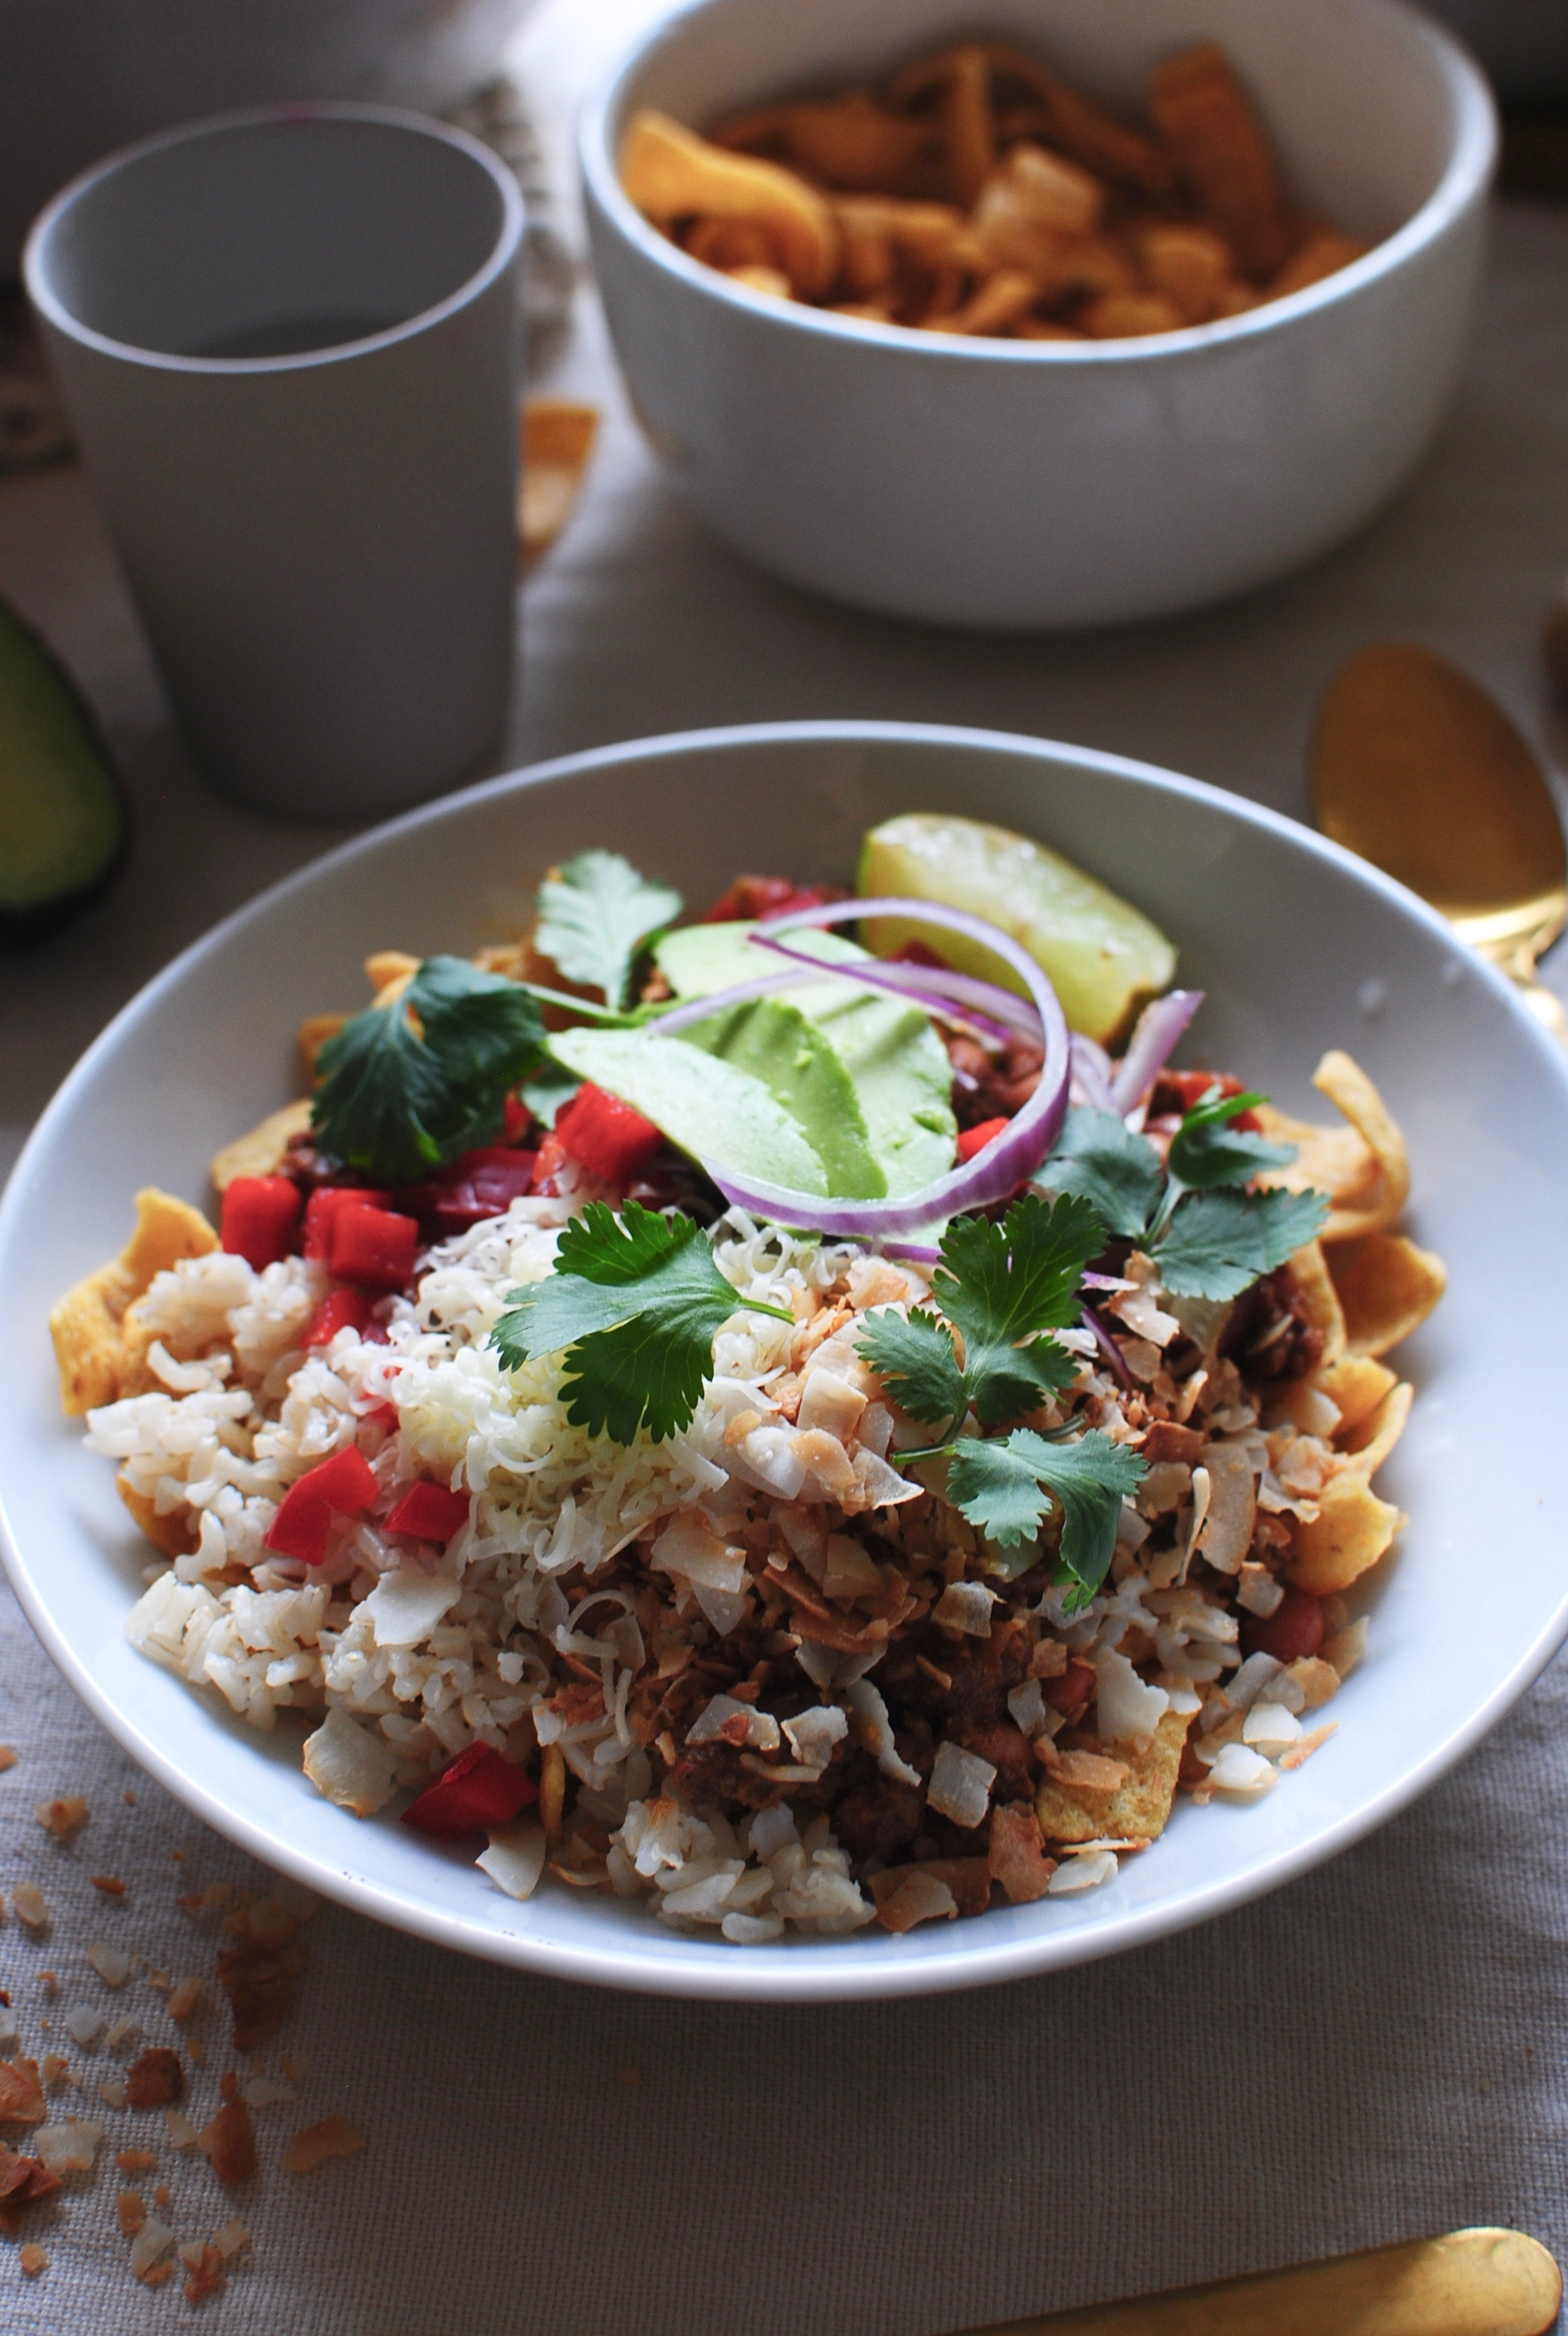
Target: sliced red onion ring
[(1092, 1072), (1115, 1362), (996, 1170), (741, 993), (1152, 1041), (998, 1014)]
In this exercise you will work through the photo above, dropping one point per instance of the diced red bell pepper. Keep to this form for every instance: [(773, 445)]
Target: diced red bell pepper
[(344, 1309), (261, 1218), (477, 1789), (517, 1119), (605, 1135), (550, 1157), (481, 1183), (343, 1486), (372, 1246), (768, 896), (975, 1139), (428, 1512), (1184, 1091), (383, 1416), (917, 952), (323, 1207)]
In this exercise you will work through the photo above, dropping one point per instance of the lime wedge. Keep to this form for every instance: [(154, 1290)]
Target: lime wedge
[(1103, 956)]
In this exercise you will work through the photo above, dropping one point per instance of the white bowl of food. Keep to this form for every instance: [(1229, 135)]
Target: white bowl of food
[(930, 470), (839, 1730)]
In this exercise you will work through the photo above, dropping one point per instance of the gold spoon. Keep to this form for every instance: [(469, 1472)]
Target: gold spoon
[(1421, 772), (1478, 2283)]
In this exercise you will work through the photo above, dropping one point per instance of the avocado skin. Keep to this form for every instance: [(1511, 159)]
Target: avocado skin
[(24, 924)]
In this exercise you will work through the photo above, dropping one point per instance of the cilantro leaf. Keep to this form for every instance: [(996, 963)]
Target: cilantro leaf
[(999, 1282), (634, 1304), (917, 1364), (996, 1285), (595, 914), (1099, 1157), (1217, 1244), (1207, 1151), (406, 1086), (1007, 1488)]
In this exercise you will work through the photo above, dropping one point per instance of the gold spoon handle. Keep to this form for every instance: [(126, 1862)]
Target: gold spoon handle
[(1479, 2282)]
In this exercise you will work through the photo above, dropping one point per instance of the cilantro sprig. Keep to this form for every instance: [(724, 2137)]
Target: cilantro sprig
[(597, 913), (1000, 1287), (1003, 1289), (1210, 1236), (634, 1303), (407, 1086)]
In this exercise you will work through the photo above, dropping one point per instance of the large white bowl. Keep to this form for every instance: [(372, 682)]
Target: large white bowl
[(1295, 941), (1035, 483)]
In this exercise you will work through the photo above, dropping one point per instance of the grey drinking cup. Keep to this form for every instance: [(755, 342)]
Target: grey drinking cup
[(290, 343)]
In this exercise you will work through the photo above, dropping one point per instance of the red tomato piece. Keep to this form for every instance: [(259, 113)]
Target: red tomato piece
[(1294, 1630), (323, 1207), (605, 1135), (373, 1247), (343, 1486), (428, 1512), (975, 1139), (344, 1309), (261, 1218), (477, 1789), (550, 1157), (752, 897), (1070, 1691), (1184, 1091), (518, 1119)]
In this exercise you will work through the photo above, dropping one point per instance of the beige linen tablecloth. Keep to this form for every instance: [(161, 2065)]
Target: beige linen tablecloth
[(1381, 2049)]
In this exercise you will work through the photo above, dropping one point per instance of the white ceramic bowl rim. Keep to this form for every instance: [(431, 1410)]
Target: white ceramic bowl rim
[(502, 255), (1468, 169), (732, 1975)]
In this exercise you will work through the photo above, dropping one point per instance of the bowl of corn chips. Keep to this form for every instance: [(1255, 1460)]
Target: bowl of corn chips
[(1085, 316)]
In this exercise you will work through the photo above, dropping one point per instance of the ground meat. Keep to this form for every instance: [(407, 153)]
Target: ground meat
[(1006, 1748), (879, 1815), (1268, 1335), (992, 1087), (980, 1672), (709, 1773)]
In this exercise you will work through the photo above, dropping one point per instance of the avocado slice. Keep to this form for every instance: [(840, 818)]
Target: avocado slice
[(64, 822), (1103, 956), (897, 1065), (706, 1106), (798, 1065)]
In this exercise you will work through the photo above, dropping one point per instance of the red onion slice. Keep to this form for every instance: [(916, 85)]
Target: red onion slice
[(997, 1169), (1153, 1040), (1092, 1073), (740, 993), (921, 988)]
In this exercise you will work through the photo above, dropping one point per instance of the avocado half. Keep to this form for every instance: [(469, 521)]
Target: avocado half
[(64, 823)]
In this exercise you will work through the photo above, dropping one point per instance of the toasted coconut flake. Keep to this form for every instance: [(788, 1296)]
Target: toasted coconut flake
[(153, 2241), (350, 1766), (1076, 1874), (30, 1906), (135, 2161), (1127, 1710), (7, 1756), (112, 1967), (230, 2238), (208, 2272), (117, 2036), (155, 2078), (966, 1606), (330, 2136), (63, 1818), (184, 1999), (33, 2259), (69, 2147), (1347, 1648), (1308, 1745), (918, 1897), (110, 1884), (85, 2026), (181, 2132), (1270, 1729), (961, 1783), (22, 2100), (57, 2071), (264, 2092), (1017, 1856), (1240, 1771), (111, 2092), (228, 2141)]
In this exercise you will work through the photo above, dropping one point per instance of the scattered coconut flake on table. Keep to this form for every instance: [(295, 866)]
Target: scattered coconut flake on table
[(112, 1967), (32, 1908), (62, 1817), (33, 2259), (70, 2148), (330, 2136)]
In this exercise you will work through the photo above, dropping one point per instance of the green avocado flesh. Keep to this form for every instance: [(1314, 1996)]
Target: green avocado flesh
[(893, 1064), (1103, 958), (63, 823), (708, 1107)]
